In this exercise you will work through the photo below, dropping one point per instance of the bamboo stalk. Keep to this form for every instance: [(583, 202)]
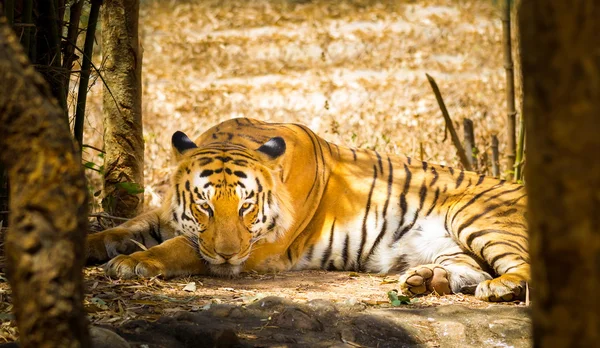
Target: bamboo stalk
[(470, 147), (85, 71), (9, 11), (520, 156), (73, 32), (511, 112), (495, 157), (459, 149), (50, 28), (27, 19)]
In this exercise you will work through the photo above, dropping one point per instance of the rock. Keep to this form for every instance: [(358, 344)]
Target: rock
[(294, 318), (511, 327), (221, 310), (450, 333), (270, 303), (104, 338)]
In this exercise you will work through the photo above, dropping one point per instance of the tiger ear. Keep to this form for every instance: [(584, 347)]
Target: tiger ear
[(273, 148), (181, 143)]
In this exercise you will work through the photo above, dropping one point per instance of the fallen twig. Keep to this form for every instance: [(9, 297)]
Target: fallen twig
[(106, 216), (461, 151)]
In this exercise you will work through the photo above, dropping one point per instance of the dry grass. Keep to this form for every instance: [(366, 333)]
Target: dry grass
[(354, 71)]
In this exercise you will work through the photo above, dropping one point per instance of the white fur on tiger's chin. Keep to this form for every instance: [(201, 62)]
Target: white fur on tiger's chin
[(225, 270)]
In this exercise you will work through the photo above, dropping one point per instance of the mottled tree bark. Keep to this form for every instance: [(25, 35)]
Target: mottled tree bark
[(561, 74), (48, 206), (123, 136)]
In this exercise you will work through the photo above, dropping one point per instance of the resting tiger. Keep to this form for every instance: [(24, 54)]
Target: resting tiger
[(254, 196)]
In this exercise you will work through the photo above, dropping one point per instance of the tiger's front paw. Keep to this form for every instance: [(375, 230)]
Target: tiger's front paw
[(136, 265), (425, 278)]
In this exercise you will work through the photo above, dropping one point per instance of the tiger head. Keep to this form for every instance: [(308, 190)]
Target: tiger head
[(228, 199)]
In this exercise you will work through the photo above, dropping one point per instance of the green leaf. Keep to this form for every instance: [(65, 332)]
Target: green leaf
[(397, 299), (131, 188)]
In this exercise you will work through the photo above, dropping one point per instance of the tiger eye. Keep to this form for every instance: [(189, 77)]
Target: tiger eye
[(205, 206), (246, 205)]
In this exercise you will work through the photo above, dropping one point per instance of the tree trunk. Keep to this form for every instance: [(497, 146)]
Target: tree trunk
[(511, 112), (48, 206), (561, 75), (123, 136)]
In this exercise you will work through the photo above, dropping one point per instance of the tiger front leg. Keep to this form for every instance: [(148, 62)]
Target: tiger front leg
[(147, 229), (175, 257)]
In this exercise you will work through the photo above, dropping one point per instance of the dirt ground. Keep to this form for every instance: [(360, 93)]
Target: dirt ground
[(353, 71), (291, 309)]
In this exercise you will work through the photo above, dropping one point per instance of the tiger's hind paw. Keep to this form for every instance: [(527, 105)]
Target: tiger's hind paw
[(425, 278), (507, 287)]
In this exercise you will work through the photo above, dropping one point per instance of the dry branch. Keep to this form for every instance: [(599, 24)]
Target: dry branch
[(72, 34), (470, 142), (459, 149), (495, 157)]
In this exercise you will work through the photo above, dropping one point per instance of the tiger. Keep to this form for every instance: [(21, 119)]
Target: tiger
[(252, 196)]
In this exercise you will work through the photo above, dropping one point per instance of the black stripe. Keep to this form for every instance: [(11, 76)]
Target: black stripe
[(445, 256), (363, 239), (316, 173), (451, 170), (474, 218), (379, 162), (261, 198), (240, 174), (480, 180), (327, 253), (206, 172), (178, 194), (422, 195), (435, 176), (471, 201), (402, 203), (425, 166), (241, 163), (477, 234), (460, 178), (353, 154), (501, 256), (346, 251), (155, 232), (385, 207), (243, 155), (435, 198), (309, 254), (515, 266), (509, 243), (503, 193), (259, 186), (329, 147)]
